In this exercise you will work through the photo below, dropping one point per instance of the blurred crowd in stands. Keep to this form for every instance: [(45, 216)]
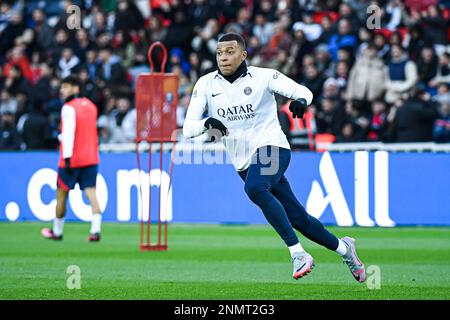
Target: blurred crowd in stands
[(382, 76)]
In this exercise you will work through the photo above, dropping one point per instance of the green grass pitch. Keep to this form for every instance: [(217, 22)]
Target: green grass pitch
[(217, 262)]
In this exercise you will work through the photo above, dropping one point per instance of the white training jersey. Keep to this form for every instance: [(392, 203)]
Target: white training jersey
[(247, 107)]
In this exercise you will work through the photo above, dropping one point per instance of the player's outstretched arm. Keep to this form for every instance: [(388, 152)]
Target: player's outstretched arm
[(194, 124), (287, 87)]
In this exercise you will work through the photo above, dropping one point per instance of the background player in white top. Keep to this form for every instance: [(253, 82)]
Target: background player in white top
[(242, 111)]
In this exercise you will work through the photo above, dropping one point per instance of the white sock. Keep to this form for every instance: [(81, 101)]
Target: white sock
[(296, 248), (58, 226), (342, 248), (96, 223)]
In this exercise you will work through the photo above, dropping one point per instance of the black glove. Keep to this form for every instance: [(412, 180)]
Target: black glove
[(298, 107), (67, 167), (212, 123)]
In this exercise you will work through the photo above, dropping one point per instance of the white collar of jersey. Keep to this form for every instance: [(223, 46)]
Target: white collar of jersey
[(218, 74)]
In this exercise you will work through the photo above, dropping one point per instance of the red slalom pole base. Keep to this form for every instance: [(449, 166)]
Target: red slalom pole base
[(153, 247)]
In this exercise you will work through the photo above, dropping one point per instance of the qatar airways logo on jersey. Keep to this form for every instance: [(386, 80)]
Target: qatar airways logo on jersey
[(236, 112)]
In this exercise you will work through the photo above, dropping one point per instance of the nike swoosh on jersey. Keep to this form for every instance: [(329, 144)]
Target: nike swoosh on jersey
[(214, 95)]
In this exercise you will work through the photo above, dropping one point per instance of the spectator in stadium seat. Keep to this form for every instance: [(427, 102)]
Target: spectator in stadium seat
[(427, 65), (91, 64), (442, 72), (322, 58), (401, 74), (313, 80), (346, 12), (36, 67), (331, 89), (347, 133), (367, 77), (359, 8), (106, 120), (330, 117), (345, 55), (342, 74), (110, 71), (357, 115), (183, 103), (176, 58), (205, 42), (267, 8), (327, 30), (103, 40), (443, 94), (382, 46), (378, 123), (15, 81), (283, 62), (414, 120), (84, 44), (99, 25), (179, 33), (396, 39), (60, 42), (42, 88), (127, 16), (43, 32), (5, 15), (157, 31), (435, 28), (228, 9), (68, 63), (184, 85), (414, 41), (14, 29), (17, 57), (9, 136), (125, 48), (200, 12), (312, 30), (242, 25), (254, 51), (118, 125), (299, 48), (7, 102), (89, 88), (262, 29), (280, 40), (54, 103), (343, 38), (441, 128), (195, 71), (365, 37), (36, 129)]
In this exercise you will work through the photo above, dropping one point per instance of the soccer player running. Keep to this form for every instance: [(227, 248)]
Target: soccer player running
[(242, 111), (79, 157)]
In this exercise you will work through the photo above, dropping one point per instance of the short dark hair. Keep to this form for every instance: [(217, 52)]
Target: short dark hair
[(231, 36), (72, 80)]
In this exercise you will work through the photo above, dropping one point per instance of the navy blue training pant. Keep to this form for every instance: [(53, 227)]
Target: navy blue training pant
[(268, 188)]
